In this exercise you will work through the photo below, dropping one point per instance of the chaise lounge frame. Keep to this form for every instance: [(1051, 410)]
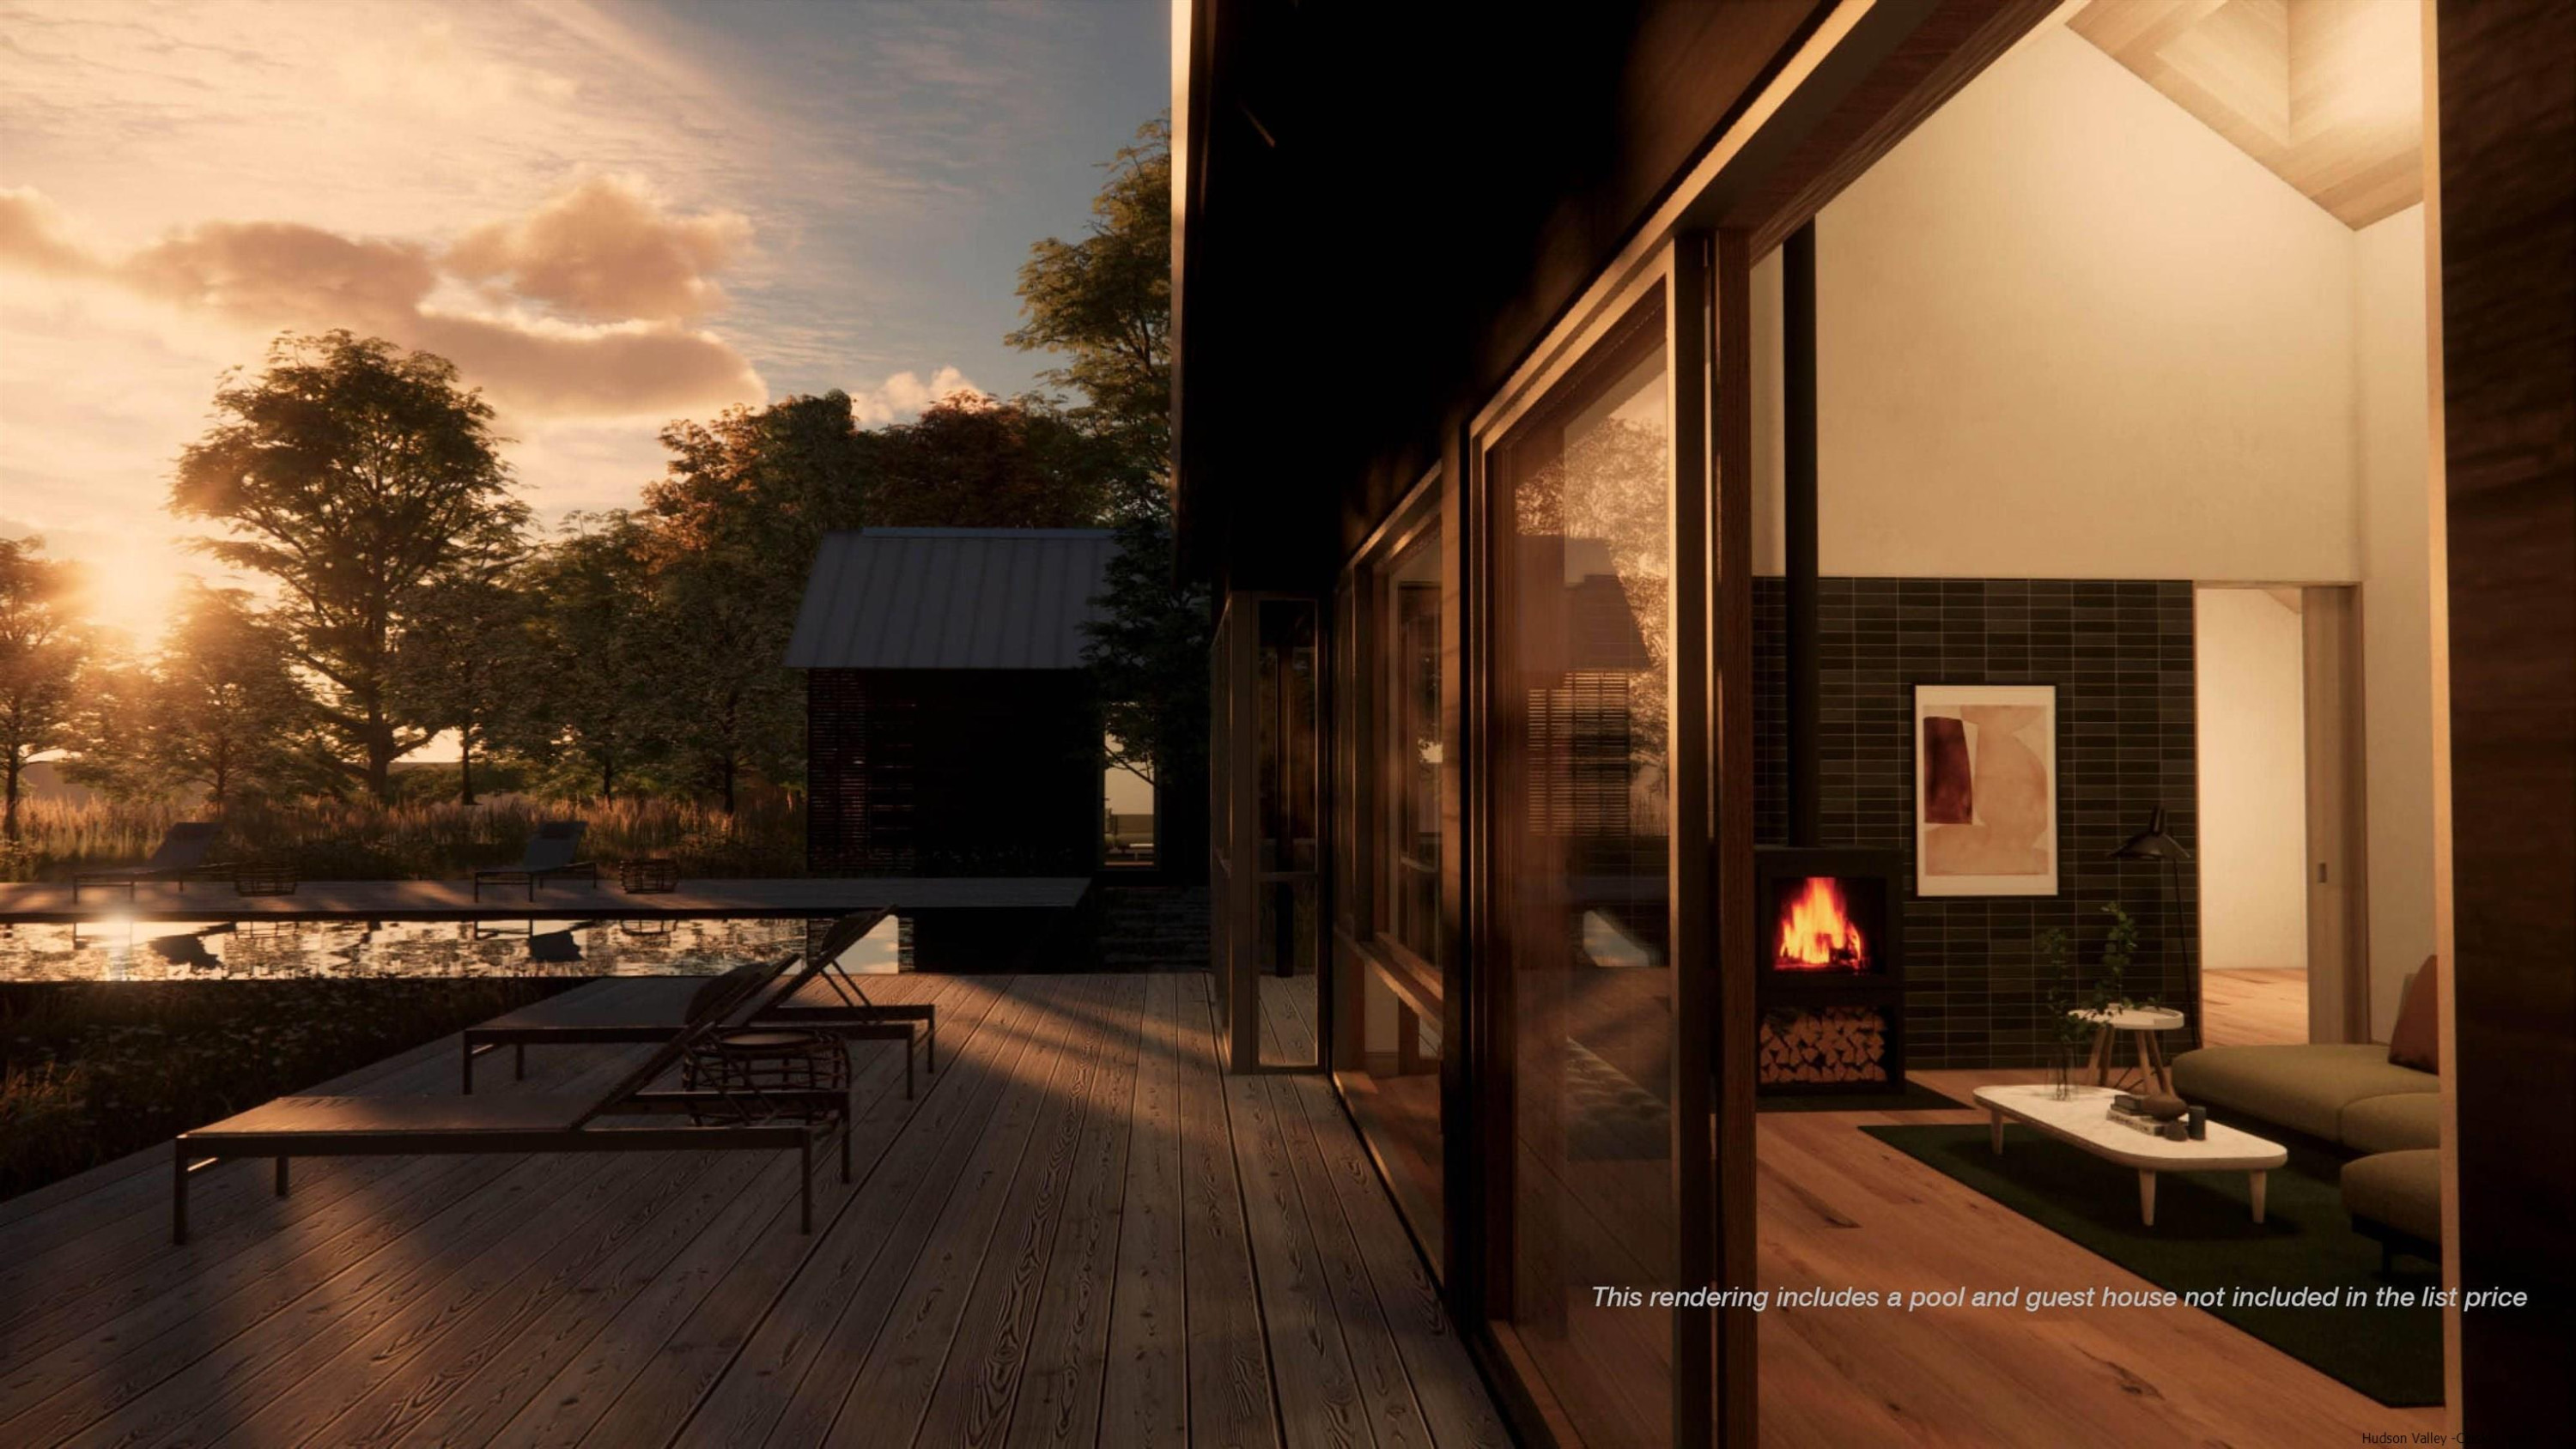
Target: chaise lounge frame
[(292, 1127), (179, 858), (548, 853), (852, 1016)]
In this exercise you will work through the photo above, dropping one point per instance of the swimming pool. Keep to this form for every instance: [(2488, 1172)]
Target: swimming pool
[(125, 950)]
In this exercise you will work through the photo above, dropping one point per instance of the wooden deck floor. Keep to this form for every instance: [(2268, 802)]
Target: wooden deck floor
[(454, 900), (1080, 1233)]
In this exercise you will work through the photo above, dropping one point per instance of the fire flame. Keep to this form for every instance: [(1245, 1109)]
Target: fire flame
[(1816, 931)]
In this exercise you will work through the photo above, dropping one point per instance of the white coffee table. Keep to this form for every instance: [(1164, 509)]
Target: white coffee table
[(2083, 1119)]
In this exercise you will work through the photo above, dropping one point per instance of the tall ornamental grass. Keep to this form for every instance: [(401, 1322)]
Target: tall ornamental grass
[(421, 840)]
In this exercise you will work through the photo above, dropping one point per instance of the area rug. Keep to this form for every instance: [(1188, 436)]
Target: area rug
[(1912, 1097), (2205, 1238)]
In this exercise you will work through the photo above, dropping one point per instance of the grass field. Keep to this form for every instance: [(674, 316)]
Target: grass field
[(341, 840)]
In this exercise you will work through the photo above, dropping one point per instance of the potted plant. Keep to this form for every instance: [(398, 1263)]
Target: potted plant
[(2067, 995), (2081, 1008)]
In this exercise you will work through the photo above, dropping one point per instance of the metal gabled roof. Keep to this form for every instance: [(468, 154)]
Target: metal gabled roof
[(951, 598)]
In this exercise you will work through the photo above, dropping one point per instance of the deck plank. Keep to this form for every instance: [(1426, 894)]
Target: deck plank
[(465, 1402), (1053, 1244), (739, 1247), (1231, 1395), (1143, 1384), (1384, 1390), (1006, 1183), (1039, 1361), (1318, 1396), (187, 1301), (822, 1323), (1454, 1404), (726, 1374)]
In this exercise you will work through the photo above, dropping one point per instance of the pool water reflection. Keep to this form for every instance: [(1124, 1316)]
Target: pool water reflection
[(120, 950)]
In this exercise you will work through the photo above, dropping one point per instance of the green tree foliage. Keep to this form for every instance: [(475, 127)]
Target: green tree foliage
[(728, 533), (42, 649), (1104, 302), (596, 642), (224, 712), (1149, 653), (466, 662), (353, 473), (975, 462)]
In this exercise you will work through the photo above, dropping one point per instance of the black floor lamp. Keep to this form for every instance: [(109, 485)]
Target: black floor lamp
[(2154, 844)]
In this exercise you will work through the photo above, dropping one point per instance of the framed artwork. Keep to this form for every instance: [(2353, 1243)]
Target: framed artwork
[(1985, 789)]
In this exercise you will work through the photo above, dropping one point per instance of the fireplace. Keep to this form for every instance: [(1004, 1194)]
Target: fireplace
[(1830, 950), (1829, 989)]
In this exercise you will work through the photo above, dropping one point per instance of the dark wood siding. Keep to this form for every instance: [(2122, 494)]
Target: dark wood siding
[(2508, 220), (1396, 204), (952, 772)]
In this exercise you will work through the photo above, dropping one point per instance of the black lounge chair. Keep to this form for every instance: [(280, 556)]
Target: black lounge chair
[(722, 1118), (181, 856), (846, 1012), (548, 853)]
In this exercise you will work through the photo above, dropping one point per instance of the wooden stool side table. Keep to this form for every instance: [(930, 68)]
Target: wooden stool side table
[(2141, 1024)]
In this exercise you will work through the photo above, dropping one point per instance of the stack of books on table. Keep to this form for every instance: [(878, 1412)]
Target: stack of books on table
[(2129, 1112)]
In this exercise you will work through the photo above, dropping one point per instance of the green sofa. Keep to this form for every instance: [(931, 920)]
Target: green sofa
[(2316, 1089), (2353, 1096)]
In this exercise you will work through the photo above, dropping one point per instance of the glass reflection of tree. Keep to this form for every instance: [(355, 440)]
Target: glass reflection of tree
[(1609, 487)]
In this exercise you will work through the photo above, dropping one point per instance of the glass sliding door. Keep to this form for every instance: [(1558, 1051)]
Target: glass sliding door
[(1266, 808), (1589, 1068), (1393, 951)]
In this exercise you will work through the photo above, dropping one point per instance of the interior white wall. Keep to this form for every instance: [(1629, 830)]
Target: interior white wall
[(2065, 330), (2253, 787), (2399, 688)]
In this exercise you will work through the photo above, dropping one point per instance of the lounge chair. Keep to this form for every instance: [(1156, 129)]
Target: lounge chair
[(721, 1119), (845, 1011), (548, 853), (180, 856)]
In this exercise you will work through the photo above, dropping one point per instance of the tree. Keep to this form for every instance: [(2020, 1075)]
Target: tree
[(353, 473), (596, 681), (464, 663), (1148, 651), (729, 532), (974, 462), (224, 712), (42, 648), (1105, 302), (728, 704)]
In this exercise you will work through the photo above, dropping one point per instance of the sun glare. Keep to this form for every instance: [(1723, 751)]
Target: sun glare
[(134, 585)]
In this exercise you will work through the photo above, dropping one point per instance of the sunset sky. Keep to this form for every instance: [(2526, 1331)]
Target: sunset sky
[(607, 215)]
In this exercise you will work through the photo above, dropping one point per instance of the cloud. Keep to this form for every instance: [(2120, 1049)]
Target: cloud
[(606, 250), (629, 369), (35, 235), (905, 395), (632, 359)]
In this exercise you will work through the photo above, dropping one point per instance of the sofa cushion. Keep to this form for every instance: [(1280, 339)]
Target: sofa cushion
[(2400, 1189), (2304, 1088), (2399, 1122), (2416, 1040)]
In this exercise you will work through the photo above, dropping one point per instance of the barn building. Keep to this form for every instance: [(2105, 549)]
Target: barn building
[(951, 728)]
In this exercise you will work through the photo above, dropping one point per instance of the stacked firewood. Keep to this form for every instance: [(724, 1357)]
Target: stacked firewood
[(1834, 1044)]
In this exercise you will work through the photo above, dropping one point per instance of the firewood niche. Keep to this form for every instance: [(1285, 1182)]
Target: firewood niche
[(1830, 988)]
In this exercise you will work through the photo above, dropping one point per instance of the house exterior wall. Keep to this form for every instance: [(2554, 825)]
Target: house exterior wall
[(941, 772)]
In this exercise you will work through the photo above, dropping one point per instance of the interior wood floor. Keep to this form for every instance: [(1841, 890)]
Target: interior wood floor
[(2254, 1008), (1839, 1207), (1078, 1233)]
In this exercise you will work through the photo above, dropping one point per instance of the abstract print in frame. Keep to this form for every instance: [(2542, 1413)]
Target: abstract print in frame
[(1985, 790)]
